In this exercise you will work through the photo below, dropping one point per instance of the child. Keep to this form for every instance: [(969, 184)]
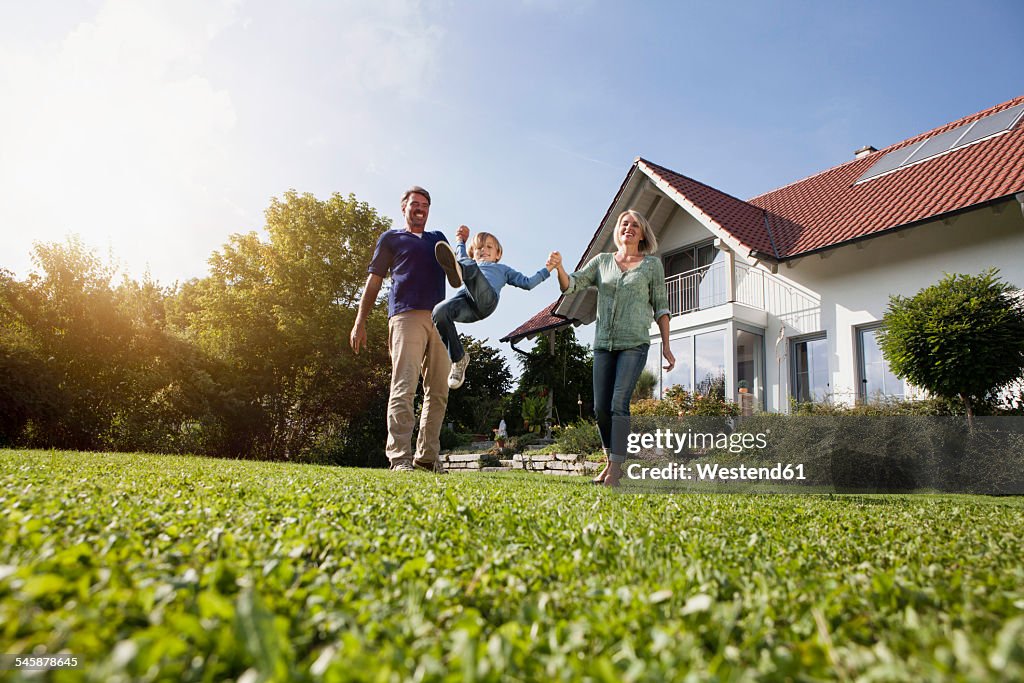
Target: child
[(484, 277)]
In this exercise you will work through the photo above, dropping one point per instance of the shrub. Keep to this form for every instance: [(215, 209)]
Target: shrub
[(580, 438), (652, 407), (451, 439), (679, 402), (887, 407), (961, 338), (850, 448), (518, 444), (535, 412), (697, 403)]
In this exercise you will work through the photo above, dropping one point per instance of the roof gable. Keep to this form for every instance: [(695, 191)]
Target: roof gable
[(720, 212)]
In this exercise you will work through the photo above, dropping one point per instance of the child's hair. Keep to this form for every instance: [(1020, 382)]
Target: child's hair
[(478, 241)]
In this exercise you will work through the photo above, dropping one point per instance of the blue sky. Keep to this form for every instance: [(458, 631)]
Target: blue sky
[(155, 129)]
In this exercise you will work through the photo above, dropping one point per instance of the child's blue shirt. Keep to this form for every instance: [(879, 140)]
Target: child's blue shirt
[(498, 274)]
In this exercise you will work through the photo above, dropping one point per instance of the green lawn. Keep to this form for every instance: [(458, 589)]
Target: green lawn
[(172, 568)]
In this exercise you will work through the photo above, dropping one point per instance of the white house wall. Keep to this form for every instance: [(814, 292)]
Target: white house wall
[(682, 230), (853, 284)]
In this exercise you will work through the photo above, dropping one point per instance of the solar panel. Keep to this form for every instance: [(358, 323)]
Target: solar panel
[(990, 125), (936, 145), (944, 142), (887, 163)]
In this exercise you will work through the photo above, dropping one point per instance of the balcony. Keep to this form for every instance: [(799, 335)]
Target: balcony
[(710, 286)]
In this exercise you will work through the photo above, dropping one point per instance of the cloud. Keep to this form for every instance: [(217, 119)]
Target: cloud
[(391, 47), (158, 127), (113, 131)]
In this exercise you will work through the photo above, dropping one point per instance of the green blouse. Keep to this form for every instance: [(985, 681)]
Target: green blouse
[(627, 302)]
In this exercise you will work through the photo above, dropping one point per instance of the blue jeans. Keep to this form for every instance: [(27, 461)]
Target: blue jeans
[(477, 301), (615, 377)]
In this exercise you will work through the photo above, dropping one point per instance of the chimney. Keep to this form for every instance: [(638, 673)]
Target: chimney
[(863, 152)]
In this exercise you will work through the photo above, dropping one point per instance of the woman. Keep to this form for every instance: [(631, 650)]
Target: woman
[(630, 294)]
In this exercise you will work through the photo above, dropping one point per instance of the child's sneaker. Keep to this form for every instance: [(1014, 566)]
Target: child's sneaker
[(445, 255), (458, 373)]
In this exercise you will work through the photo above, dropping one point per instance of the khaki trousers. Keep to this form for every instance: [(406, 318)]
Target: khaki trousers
[(416, 350)]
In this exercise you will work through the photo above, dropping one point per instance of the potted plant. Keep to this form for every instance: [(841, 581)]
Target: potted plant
[(743, 386), (500, 434)]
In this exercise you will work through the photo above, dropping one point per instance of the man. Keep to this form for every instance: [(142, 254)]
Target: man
[(417, 285)]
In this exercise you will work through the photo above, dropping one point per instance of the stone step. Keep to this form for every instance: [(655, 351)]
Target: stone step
[(462, 457)]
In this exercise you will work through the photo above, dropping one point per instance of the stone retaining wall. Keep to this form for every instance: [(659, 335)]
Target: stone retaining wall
[(556, 464)]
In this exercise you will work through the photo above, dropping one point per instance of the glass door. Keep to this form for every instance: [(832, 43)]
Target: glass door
[(810, 370), (749, 371)]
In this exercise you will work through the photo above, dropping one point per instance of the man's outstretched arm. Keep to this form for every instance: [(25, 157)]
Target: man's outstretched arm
[(357, 339)]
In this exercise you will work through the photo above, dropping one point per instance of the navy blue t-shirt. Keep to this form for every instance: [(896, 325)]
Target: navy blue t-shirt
[(417, 280)]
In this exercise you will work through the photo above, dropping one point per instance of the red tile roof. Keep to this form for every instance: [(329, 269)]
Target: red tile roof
[(829, 209), (743, 221), (545, 320)]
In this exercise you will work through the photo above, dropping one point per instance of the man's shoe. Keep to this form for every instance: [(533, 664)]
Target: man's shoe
[(458, 373), (434, 467), (445, 256), (402, 467)]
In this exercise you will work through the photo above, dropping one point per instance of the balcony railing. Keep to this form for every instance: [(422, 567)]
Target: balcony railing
[(697, 289), (708, 286)]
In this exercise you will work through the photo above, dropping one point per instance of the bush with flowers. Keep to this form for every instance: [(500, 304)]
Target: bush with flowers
[(678, 402)]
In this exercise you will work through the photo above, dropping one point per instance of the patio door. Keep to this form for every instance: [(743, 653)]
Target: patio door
[(810, 369), (749, 370)]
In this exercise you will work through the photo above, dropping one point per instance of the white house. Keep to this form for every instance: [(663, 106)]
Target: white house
[(780, 295)]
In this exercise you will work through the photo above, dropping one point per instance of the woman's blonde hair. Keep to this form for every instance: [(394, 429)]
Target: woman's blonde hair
[(478, 241), (649, 243)]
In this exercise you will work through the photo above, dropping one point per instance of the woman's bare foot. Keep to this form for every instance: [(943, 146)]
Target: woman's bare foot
[(614, 474), (599, 479)]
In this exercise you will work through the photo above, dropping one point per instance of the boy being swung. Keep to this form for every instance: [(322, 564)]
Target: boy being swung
[(483, 277)]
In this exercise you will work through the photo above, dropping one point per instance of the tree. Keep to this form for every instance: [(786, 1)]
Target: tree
[(87, 364), (644, 386), (26, 387), (476, 406), (568, 373), (961, 338), (278, 312)]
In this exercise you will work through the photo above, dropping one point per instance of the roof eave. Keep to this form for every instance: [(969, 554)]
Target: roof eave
[(899, 228), (711, 224)]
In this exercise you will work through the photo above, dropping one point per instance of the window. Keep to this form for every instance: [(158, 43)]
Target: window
[(695, 278), (681, 374), (810, 369), (876, 380), (700, 363), (690, 258), (749, 370), (709, 363)]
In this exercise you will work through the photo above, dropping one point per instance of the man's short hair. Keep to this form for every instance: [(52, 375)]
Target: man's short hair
[(415, 189)]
